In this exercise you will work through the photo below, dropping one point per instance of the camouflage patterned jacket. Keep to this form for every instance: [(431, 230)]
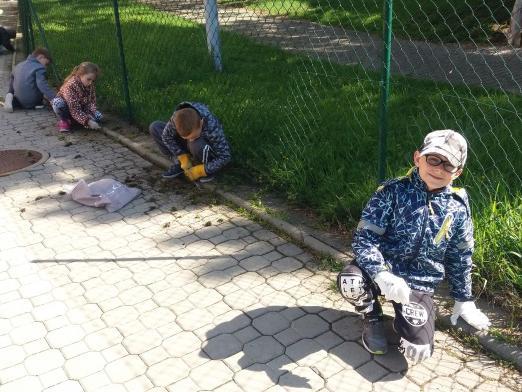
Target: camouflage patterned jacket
[(418, 235), (212, 131)]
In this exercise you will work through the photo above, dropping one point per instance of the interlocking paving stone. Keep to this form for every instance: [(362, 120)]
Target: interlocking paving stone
[(443, 383), (12, 373), (256, 378), (53, 377), (490, 386), (28, 383), (229, 387), (395, 382), (301, 377), (288, 336), (211, 375), (254, 263), (246, 334), (125, 369), (28, 333), (222, 346), (310, 326), (393, 360), (270, 323), (305, 352), (95, 381), (187, 384), (10, 356), (168, 371), (287, 264), (142, 341), (65, 336), (352, 354), (43, 362), (467, 378), (263, 349), (348, 328), (183, 343), (327, 367), (194, 319), (84, 365)]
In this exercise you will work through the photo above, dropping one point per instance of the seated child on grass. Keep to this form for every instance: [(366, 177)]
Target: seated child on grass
[(75, 102), (28, 85), (194, 140), (414, 231)]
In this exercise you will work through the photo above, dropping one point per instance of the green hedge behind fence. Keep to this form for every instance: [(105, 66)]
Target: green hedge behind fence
[(305, 121)]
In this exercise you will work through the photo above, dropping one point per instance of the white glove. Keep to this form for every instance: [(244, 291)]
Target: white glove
[(93, 124), (469, 312), (393, 288)]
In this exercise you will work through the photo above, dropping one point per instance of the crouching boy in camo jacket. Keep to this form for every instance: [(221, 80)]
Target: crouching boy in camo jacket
[(415, 230), (194, 140)]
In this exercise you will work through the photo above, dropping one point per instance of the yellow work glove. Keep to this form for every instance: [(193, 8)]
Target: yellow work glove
[(184, 161), (195, 172)]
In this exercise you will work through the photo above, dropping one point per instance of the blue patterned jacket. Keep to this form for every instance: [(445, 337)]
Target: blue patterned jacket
[(418, 235), (212, 131)]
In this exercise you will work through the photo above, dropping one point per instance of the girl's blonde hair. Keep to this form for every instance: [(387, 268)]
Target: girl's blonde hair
[(84, 68)]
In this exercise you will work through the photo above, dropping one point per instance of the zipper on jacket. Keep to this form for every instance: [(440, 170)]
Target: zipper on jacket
[(424, 224)]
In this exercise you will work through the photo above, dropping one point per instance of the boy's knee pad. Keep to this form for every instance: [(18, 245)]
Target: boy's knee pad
[(351, 283), (415, 324), (355, 288), (415, 352)]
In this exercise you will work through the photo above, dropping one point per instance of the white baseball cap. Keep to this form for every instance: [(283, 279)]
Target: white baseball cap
[(448, 143)]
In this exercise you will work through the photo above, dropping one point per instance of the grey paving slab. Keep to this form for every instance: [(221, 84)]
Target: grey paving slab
[(92, 301)]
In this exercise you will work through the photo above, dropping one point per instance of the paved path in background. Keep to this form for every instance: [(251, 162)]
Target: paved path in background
[(497, 68), (168, 294)]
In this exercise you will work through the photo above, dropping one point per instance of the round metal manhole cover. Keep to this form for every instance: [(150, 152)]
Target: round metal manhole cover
[(15, 160)]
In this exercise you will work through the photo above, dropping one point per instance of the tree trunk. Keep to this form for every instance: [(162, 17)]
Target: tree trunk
[(515, 28)]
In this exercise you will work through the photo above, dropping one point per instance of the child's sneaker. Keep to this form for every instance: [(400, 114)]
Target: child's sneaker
[(373, 336), (8, 102), (173, 171), (64, 126)]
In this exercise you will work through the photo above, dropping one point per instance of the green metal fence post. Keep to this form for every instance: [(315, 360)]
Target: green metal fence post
[(23, 23), (385, 87), (44, 38), (27, 27), (31, 45), (122, 60)]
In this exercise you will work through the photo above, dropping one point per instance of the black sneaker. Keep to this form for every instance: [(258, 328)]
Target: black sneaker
[(373, 336), (173, 171)]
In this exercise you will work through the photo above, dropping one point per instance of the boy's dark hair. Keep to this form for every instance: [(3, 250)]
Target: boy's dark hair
[(186, 120), (42, 52)]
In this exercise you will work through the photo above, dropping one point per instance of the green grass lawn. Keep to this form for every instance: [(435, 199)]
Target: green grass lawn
[(306, 128), (444, 20)]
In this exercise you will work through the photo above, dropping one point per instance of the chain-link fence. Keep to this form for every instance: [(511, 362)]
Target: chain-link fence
[(303, 96)]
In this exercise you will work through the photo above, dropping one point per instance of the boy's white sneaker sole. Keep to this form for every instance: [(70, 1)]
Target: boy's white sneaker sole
[(8, 103)]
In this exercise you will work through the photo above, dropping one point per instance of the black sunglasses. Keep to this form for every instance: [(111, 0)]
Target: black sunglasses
[(434, 160)]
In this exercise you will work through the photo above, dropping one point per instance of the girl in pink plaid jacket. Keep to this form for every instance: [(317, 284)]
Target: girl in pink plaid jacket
[(76, 100)]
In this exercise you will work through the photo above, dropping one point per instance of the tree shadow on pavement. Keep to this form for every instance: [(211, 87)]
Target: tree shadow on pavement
[(278, 339)]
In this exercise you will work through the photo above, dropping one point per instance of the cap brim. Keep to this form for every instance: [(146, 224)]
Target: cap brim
[(438, 150)]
